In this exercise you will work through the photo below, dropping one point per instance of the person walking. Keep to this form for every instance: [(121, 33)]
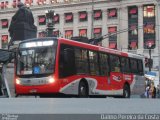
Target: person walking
[(158, 91)]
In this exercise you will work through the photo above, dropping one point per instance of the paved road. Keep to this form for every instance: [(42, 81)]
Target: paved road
[(79, 106)]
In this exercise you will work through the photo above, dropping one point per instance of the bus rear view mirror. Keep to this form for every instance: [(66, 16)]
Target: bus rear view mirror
[(6, 56)]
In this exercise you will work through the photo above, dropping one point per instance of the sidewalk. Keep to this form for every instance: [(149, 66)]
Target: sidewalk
[(135, 96)]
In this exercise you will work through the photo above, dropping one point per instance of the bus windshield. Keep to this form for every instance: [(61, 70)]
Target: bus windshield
[(36, 60)]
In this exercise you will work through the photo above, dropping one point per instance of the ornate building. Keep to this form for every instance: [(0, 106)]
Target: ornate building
[(135, 21)]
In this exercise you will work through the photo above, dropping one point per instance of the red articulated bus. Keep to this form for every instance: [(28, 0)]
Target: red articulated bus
[(51, 66)]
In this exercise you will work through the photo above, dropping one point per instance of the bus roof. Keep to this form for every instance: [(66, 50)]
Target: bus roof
[(100, 48), (88, 46)]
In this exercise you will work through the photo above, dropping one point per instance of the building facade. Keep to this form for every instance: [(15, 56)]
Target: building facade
[(127, 25)]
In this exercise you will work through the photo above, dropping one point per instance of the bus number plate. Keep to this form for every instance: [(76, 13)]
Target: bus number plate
[(33, 91)]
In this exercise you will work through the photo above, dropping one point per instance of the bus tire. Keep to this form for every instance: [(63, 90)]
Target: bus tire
[(126, 91), (83, 90)]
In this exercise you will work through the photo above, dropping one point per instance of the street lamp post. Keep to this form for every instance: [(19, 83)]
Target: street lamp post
[(92, 21), (50, 23), (158, 34), (150, 61)]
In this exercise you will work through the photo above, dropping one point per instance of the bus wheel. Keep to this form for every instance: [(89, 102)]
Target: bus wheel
[(126, 91), (83, 90)]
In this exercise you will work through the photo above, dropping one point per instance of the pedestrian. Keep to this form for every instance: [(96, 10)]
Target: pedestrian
[(152, 91), (147, 92), (158, 91)]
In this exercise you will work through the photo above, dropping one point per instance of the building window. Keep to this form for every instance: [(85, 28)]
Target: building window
[(133, 27), (56, 18), (83, 32), (68, 17), (97, 14), (42, 34), (41, 2), (56, 33), (68, 34), (133, 30), (112, 13), (112, 37), (133, 12), (83, 16), (6, 4), (2, 5), (133, 45), (112, 33), (14, 4), (54, 1), (4, 23), (42, 20), (112, 45), (149, 10), (149, 28), (97, 32), (4, 39), (149, 43), (28, 2), (149, 22)]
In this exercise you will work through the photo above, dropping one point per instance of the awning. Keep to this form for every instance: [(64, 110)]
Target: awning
[(83, 15), (82, 31), (68, 32), (56, 18), (97, 30), (150, 75), (112, 13), (42, 19), (97, 14), (4, 37), (112, 45), (2, 4), (133, 44), (133, 11), (69, 17), (112, 29), (4, 23)]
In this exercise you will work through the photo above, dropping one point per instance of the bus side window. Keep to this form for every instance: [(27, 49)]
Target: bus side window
[(134, 67), (81, 61), (93, 63), (104, 67), (125, 65), (140, 67), (66, 61), (114, 63)]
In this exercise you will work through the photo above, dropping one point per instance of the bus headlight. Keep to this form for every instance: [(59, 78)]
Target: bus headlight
[(51, 80), (18, 82)]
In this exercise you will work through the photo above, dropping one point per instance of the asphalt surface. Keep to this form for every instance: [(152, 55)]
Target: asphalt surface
[(79, 106)]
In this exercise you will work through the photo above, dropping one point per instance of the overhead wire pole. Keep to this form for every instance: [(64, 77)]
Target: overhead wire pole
[(92, 21), (158, 34)]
